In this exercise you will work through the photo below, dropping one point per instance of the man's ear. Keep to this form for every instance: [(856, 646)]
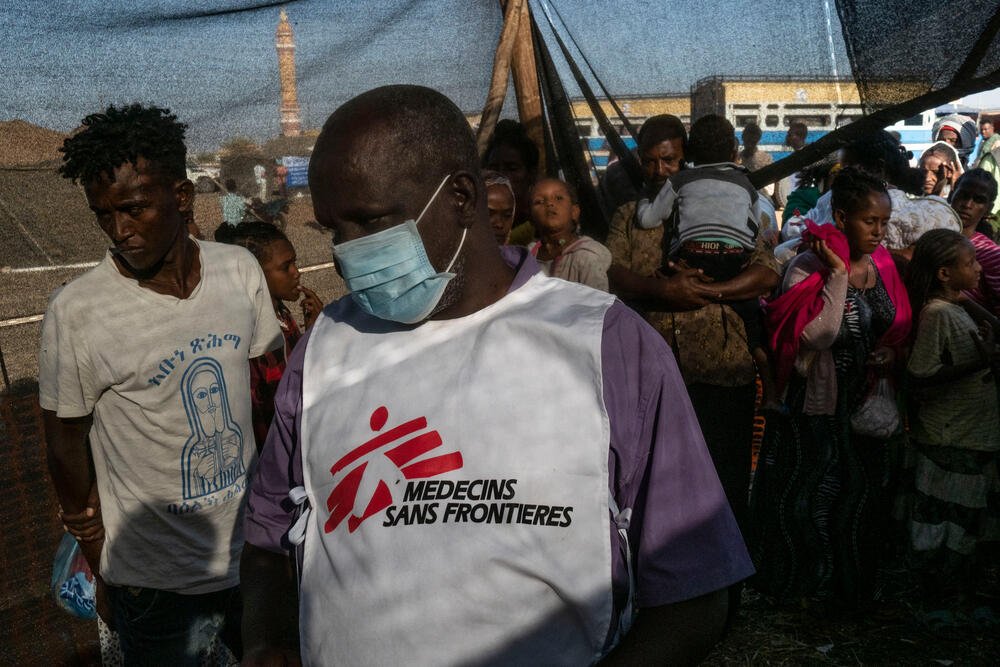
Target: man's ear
[(184, 194), (466, 196)]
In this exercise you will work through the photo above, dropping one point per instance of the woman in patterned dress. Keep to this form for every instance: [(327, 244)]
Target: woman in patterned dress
[(822, 492)]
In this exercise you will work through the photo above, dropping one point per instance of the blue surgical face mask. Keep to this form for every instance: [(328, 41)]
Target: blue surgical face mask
[(389, 274)]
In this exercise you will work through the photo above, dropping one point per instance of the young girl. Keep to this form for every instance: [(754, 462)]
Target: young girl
[(560, 249), (972, 200), (953, 518), (277, 258)]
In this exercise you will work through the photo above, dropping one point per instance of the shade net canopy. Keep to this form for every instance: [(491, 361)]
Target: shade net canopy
[(899, 49), (214, 62)]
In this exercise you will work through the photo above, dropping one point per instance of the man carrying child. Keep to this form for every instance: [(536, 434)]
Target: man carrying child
[(715, 218), (690, 310)]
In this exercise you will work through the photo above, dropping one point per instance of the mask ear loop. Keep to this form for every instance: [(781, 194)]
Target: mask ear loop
[(464, 231), (431, 200), (457, 250)]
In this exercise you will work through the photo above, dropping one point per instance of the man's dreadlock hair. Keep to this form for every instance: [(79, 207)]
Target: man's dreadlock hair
[(123, 134)]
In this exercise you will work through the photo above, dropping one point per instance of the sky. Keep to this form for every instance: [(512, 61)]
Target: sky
[(213, 62)]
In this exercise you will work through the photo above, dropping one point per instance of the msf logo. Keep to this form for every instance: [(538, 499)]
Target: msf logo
[(370, 464)]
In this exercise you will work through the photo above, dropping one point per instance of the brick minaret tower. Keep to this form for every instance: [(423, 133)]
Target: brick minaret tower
[(284, 42)]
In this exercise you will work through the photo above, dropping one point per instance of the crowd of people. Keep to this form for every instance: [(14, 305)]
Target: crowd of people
[(513, 442)]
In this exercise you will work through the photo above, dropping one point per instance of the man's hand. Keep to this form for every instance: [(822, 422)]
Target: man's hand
[(88, 525), (685, 289), (986, 333), (270, 608), (88, 529), (680, 288)]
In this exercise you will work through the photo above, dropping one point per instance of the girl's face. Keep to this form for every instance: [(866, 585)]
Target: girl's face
[(964, 274), (865, 226), (280, 271), (971, 200), (552, 208)]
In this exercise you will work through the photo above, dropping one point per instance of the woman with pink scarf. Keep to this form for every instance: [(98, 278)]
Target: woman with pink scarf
[(821, 495)]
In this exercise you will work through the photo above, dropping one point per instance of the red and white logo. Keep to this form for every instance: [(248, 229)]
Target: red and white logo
[(383, 458)]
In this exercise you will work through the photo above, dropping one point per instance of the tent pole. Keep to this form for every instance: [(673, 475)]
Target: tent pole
[(529, 101), (501, 71), (575, 167)]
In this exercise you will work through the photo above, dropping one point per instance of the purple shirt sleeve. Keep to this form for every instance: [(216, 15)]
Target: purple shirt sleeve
[(683, 534), (270, 513)]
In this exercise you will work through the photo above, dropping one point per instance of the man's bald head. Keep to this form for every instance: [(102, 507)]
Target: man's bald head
[(407, 133), (406, 153)]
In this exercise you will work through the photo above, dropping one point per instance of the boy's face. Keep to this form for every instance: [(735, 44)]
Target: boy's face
[(141, 211), (986, 130)]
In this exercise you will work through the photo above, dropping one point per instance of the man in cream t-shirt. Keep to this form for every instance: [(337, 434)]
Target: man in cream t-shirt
[(147, 356)]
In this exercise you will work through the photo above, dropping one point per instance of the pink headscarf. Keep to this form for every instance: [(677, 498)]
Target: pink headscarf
[(789, 314)]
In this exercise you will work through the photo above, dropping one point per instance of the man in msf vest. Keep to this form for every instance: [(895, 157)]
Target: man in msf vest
[(491, 466), (145, 357)]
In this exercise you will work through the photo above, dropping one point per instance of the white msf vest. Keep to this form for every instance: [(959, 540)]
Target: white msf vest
[(458, 478)]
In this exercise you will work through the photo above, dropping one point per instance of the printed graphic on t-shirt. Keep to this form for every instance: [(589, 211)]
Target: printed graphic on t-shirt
[(212, 458)]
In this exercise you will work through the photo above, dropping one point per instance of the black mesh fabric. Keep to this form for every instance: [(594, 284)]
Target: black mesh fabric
[(214, 62), (900, 49)]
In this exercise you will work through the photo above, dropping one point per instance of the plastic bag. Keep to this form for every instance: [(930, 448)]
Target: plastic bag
[(785, 252), (73, 585), (878, 414)]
